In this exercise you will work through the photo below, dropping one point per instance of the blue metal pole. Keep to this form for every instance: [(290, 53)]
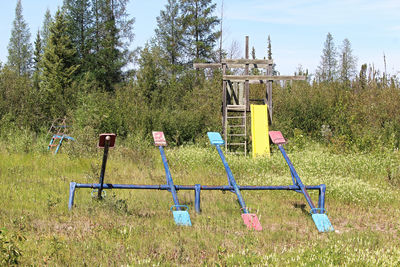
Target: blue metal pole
[(193, 187), (72, 187), (296, 176), (321, 198), (169, 177), (232, 180), (51, 142), (197, 189)]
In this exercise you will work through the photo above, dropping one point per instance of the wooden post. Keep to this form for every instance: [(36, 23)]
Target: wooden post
[(224, 130), (246, 71), (269, 92)]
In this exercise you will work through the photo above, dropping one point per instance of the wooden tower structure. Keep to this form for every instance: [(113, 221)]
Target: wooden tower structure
[(236, 92)]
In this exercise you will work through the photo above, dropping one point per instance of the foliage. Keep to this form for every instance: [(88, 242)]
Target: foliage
[(59, 70), (366, 120), (347, 63), (169, 33), (45, 31), (200, 36), (37, 58), (9, 252), (112, 36), (19, 47), (327, 70)]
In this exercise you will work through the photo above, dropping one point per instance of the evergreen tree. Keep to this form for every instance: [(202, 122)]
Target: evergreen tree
[(327, 70), (150, 78), (253, 53), (363, 76), (269, 48), (19, 47), (274, 71), (37, 58), (347, 62), (112, 36), (59, 70), (254, 71), (169, 33), (199, 22), (45, 32), (79, 17)]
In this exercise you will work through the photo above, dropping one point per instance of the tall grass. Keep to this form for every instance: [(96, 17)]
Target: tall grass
[(136, 227)]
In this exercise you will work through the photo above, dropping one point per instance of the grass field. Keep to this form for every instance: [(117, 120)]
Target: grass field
[(130, 228)]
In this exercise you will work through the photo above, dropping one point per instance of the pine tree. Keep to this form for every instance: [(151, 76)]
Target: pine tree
[(112, 36), (199, 22), (363, 76), (347, 62), (253, 53), (37, 58), (254, 71), (327, 70), (19, 47), (169, 32), (45, 32), (78, 13), (59, 70), (274, 71), (269, 48)]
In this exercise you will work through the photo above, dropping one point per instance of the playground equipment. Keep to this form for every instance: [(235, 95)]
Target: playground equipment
[(180, 212), (318, 214), (58, 129), (251, 220), (181, 217), (259, 130), (237, 96), (107, 141)]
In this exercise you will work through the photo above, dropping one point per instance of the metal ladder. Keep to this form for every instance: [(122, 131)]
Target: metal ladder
[(235, 128)]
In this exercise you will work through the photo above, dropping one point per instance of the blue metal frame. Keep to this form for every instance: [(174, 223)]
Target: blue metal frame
[(61, 137), (196, 188), (217, 141), (297, 178), (170, 182), (319, 216), (297, 186)]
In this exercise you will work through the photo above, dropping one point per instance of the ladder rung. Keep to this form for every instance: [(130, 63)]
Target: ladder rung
[(236, 134), (236, 117), (236, 144), (242, 107), (235, 126), (53, 145)]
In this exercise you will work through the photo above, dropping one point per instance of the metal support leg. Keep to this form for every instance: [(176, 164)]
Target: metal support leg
[(321, 197), (169, 178), (197, 189), (72, 187), (103, 166)]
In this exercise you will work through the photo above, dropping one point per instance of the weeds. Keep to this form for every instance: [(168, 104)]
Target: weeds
[(135, 227)]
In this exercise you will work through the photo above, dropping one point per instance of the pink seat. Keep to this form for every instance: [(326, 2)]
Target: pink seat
[(251, 221), (277, 137)]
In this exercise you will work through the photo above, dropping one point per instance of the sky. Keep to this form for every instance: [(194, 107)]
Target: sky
[(298, 28)]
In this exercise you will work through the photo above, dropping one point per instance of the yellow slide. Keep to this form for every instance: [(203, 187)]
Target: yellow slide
[(259, 130)]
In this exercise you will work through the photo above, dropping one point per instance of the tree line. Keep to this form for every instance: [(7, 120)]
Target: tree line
[(80, 66)]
